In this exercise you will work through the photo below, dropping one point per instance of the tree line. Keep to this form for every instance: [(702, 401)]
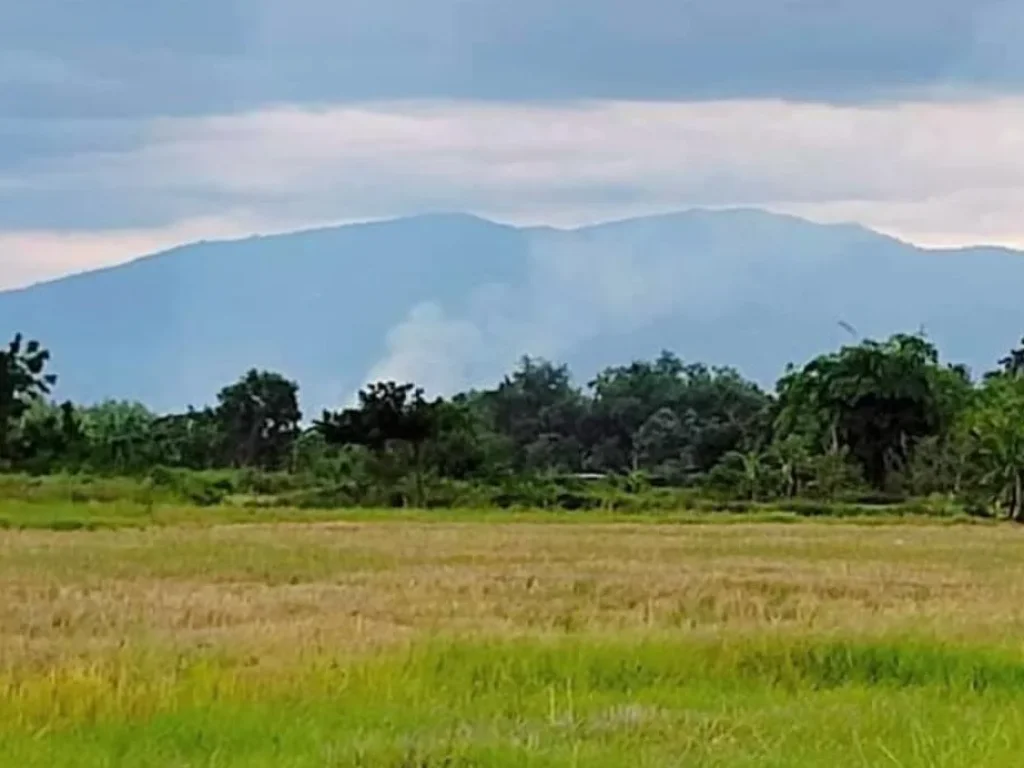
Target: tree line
[(878, 417)]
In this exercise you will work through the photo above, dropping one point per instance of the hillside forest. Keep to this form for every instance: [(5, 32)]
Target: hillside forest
[(876, 421)]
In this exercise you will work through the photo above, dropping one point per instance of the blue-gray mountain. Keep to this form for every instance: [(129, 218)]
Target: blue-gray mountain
[(452, 301)]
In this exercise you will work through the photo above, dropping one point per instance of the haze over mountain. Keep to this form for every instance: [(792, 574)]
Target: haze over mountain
[(451, 301)]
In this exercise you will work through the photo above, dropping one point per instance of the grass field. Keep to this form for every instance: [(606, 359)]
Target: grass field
[(453, 640)]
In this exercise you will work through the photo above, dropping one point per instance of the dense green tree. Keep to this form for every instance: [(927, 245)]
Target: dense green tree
[(259, 419), (540, 412), (388, 413), (883, 414), (730, 413), (716, 411), (22, 381), (49, 437), (876, 398), (664, 445), (192, 440), (832, 474), (463, 445), (625, 398), (996, 427), (120, 436), (939, 465)]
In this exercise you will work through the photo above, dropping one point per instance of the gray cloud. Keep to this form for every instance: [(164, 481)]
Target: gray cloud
[(87, 85), (526, 163), (63, 58)]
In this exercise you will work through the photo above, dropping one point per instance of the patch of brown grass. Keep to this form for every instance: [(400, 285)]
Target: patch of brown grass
[(290, 590)]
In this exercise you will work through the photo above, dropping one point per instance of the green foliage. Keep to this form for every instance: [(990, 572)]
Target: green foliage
[(193, 439), (876, 399), (259, 420), (22, 381), (388, 413), (48, 438), (120, 437), (878, 421), (540, 414), (1013, 364), (204, 489), (995, 427), (670, 418)]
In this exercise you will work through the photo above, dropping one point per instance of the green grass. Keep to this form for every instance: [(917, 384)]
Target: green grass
[(756, 702), (77, 516), (169, 496)]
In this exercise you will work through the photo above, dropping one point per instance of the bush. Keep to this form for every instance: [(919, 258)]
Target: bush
[(81, 488), (324, 497), (457, 494), (936, 505), (268, 483), (203, 488)]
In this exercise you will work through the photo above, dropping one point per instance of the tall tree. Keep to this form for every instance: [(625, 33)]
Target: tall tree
[(996, 428), (49, 438), (193, 439), (388, 413), (716, 410), (730, 413), (664, 445), (540, 412), (120, 436), (259, 419), (463, 445), (876, 398), (625, 399), (22, 380)]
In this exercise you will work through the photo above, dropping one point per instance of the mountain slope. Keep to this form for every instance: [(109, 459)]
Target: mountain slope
[(453, 300), (170, 329)]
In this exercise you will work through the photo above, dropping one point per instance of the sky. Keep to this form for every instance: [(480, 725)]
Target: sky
[(127, 127)]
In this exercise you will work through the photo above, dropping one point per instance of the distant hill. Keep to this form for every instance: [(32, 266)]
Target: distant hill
[(453, 300)]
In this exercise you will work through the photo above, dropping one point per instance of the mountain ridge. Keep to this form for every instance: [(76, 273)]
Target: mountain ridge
[(472, 217), (452, 300)]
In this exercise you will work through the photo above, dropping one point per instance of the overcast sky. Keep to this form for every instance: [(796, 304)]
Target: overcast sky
[(128, 126)]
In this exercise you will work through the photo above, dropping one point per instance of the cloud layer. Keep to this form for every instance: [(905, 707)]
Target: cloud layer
[(133, 123), (933, 172), (197, 57)]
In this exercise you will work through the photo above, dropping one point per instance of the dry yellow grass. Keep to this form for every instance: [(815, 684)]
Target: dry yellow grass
[(285, 591), (543, 644)]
